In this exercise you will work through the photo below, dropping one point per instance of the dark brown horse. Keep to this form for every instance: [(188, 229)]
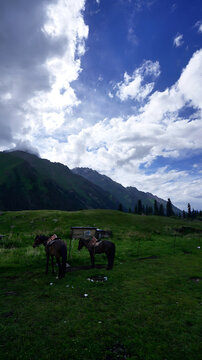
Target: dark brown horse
[(54, 246), (99, 247)]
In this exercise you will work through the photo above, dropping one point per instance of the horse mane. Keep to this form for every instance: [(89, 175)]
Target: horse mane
[(42, 237)]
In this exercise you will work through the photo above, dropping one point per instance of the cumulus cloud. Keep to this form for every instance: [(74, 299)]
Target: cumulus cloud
[(134, 87), (178, 40), (189, 83), (40, 57), (25, 146), (120, 146)]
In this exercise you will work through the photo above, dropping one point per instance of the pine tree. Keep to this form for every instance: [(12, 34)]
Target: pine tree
[(161, 210), (189, 210), (194, 214), (120, 208), (156, 209), (139, 207), (135, 209), (169, 208)]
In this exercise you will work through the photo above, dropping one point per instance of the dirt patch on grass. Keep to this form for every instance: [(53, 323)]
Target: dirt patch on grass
[(98, 278)]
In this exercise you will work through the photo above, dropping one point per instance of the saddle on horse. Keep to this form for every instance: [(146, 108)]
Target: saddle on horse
[(93, 242), (52, 239)]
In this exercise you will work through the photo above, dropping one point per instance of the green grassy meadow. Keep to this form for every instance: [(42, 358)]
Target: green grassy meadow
[(148, 308)]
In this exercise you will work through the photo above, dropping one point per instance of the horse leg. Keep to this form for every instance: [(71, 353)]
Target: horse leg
[(108, 261), (52, 264), (47, 262), (110, 256), (64, 260), (59, 268)]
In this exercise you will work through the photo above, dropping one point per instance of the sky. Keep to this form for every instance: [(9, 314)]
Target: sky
[(113, 85)]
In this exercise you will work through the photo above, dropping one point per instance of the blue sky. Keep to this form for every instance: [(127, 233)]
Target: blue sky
[(114, 85), (122, 34)]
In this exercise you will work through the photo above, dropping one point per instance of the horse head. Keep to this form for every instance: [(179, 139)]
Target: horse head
[(39, 239), (81, 244)]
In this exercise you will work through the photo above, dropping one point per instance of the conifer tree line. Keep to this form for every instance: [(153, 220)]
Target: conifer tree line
[(160, 210), (156, 209), (191, 213)]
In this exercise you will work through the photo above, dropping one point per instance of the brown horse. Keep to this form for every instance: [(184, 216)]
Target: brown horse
[(99, 247), (54, 246)]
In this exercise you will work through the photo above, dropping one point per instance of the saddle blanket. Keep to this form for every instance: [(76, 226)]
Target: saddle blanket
[(52, 239), (93, 242)]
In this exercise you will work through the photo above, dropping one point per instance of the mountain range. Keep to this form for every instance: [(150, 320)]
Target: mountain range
[(127, 196), (29, 182)]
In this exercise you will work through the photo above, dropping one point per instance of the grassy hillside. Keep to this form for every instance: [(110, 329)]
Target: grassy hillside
[(28, 182), (118, 191), (147, 308)]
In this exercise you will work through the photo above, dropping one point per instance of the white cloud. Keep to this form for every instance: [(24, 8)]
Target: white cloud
[(6, 96), (25, 146), (119, 146), (35, 91), (64, 20), (134, 86), (198, 25), (178, 40), (189, 83)]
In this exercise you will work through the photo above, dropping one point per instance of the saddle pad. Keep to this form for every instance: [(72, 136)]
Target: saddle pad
[(93, 242), (51, 242)]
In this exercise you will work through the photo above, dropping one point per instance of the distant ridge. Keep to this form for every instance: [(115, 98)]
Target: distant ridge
[(127, 196), (29, 182)]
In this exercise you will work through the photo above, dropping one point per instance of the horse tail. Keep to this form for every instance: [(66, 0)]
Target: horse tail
[(64, 259)]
